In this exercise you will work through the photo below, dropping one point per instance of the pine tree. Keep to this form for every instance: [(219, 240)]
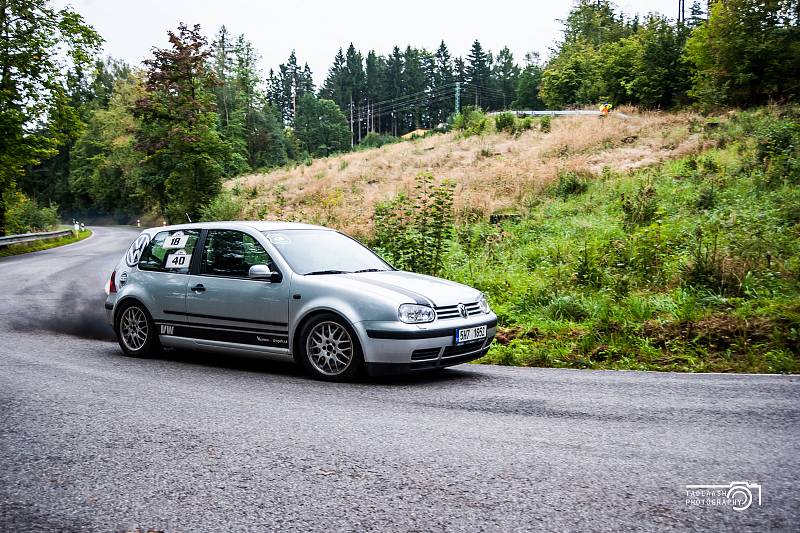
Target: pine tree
[(506, 74), (413, 85), (695, 15), (306, 83), (393, 88), (373, 86), (527, 90), (442, 85), (354, 85), (333, 88), (478, 75)]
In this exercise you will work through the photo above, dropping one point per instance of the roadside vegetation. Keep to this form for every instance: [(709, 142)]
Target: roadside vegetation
[(43, 244), (688, 265)]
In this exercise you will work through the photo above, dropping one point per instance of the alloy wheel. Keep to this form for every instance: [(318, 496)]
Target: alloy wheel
[(133, 328), (329, 348)]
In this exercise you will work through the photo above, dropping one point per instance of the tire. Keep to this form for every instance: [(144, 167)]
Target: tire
[(133, 317), (329, 349)]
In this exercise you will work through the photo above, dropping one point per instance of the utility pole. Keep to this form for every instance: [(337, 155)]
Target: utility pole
[(352, 139), (458, 96), (681, 11)]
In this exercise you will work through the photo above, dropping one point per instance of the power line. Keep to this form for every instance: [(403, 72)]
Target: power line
[(401, 99), (410, 106)]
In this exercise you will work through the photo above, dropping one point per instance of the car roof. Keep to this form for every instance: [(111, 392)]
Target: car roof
[(258, 225)]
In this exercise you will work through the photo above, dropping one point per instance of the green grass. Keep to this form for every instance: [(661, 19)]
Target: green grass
[(44, 244), (692, 265)]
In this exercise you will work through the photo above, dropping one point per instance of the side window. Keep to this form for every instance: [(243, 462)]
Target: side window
[(232, 253), (170, 251)]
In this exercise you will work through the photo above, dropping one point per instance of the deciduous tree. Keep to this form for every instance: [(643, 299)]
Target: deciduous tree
[(35, 113)]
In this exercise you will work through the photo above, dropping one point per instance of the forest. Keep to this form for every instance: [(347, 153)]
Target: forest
[(92, 137)]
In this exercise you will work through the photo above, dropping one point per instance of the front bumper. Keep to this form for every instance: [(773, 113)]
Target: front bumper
[(393, 347)]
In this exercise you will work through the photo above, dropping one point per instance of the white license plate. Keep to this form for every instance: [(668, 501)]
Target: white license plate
[(470, 334)]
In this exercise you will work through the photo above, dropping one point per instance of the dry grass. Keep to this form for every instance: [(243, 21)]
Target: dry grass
[(492, 172)]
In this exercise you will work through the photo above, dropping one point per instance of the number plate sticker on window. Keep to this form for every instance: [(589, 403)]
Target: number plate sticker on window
[(178, 260), (176, 241)]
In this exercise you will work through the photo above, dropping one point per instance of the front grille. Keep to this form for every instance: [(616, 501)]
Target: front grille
[(453, 351), (426, 353), (451, 311)]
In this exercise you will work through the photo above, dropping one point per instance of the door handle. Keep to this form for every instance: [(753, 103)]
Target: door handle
[(198, 288)]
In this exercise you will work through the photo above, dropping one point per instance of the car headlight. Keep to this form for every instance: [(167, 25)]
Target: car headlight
[(415, 314), (483, 303)]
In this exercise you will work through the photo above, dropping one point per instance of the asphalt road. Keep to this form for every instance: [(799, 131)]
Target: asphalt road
[(91, 440)]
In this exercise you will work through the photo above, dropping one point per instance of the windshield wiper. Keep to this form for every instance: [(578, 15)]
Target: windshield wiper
[(321, 272), (370, 270)]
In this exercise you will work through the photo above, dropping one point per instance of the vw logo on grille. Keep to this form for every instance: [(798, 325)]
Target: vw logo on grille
[(462, 310)]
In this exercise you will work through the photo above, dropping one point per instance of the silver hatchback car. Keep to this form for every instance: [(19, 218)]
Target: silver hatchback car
[(293, 291)]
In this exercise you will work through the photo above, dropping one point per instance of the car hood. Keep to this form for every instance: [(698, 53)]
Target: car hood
[(411, 287)]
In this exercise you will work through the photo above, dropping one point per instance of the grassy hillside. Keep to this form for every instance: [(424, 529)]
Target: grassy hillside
[(492, 171), (654, 242)]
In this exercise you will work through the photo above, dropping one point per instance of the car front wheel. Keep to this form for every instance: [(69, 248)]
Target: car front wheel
[(330, 349), (136, 332)]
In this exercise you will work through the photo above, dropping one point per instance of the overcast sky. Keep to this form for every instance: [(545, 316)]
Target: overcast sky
[(317, 28)]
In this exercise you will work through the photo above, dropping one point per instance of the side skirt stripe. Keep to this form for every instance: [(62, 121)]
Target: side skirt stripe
[(272, 339), (232, 319), (226, 327)]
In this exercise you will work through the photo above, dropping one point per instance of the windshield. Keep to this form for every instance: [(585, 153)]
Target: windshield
[(313, 251)]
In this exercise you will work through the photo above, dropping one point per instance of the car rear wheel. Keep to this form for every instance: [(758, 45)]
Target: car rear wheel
[(136, 331), (330, 349)]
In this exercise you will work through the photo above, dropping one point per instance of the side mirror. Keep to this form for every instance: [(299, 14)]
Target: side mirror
[(262, 273)]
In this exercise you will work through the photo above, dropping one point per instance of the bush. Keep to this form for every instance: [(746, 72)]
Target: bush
[(224, 206), (566, 307), (25, 216), (571, 184), (777, 138), (413, 232), (471, 121), (642, 207), (707, 268), (505, 122), (376, 140), (778, 149), (545, 124), (525, 124)]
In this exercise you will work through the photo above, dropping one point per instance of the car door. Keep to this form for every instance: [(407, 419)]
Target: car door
[(224, 305), (163, 269)]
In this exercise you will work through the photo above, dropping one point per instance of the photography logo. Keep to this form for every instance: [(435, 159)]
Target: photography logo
[(738, 494)]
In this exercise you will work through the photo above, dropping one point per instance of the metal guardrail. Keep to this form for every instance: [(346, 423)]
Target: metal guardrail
[(26, 237), (530, 113)]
